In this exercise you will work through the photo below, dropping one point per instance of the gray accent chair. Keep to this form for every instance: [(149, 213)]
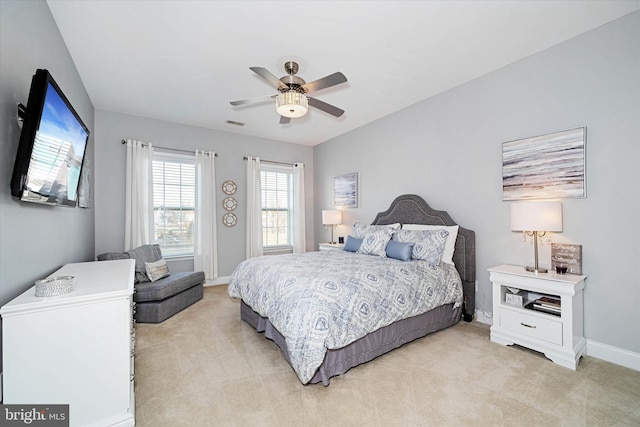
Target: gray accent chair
[(159, 300)]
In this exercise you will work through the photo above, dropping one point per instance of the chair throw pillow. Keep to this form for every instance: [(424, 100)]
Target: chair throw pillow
[(157, 270), (143, 254)]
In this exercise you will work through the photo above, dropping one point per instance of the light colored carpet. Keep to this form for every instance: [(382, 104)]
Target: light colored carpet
[(205, 367)]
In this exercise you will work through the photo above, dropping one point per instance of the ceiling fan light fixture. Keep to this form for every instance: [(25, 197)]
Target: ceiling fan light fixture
[(292, 104)]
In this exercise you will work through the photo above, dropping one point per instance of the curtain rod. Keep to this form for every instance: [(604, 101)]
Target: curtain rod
[(170, 149), (271, 161)]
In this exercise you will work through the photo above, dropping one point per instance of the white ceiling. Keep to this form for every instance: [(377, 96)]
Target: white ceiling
[(183, 61)]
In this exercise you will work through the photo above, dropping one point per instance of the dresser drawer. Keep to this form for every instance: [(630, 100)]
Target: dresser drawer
[(533, 326)]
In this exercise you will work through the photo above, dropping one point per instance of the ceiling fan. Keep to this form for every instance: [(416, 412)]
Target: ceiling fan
[(292, 100)]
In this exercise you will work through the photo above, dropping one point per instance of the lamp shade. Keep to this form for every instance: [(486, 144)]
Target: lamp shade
[(536, 216), (331, 217)]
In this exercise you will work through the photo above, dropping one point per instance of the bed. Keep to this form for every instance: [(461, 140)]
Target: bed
[(395, 314)]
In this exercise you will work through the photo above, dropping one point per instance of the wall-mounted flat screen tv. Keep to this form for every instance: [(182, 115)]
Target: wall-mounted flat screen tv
[(52, 146)]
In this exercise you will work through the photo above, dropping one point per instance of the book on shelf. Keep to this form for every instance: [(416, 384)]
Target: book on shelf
[(547, 307), (549, 300), (534, 305)]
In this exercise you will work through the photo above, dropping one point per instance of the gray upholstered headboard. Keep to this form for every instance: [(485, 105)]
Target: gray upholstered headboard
[(412, 209)]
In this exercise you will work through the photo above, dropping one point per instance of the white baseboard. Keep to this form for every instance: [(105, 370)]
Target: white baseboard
[(619, 356), (484, 317), (219, 281)]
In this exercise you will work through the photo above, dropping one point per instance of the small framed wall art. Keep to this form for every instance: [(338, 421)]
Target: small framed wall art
[(229, 187), (229, 203), (229, 219), (345, 191)]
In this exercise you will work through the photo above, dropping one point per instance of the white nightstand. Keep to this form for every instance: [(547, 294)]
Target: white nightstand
[(559, 336), (331, 246)]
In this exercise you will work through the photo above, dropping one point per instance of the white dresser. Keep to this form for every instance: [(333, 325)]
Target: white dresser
[(559, 335), (75, 349)]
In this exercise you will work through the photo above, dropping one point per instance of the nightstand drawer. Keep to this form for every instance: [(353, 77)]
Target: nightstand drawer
[(533, 326)]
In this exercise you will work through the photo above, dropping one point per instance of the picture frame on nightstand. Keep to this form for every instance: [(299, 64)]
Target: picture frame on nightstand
[(566, 255)]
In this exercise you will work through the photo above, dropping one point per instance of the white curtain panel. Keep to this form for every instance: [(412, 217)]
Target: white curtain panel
[(139, 195), (299, 240), (205, 233), (254, 209)]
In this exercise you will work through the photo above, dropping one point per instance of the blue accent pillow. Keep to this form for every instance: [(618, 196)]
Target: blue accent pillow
[(399, 250), (353, 244)]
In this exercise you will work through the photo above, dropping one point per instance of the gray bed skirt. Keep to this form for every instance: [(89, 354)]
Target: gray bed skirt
[(339, 361)]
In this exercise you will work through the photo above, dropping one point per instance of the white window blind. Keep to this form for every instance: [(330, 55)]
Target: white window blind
[(277, 207), (174, 201)]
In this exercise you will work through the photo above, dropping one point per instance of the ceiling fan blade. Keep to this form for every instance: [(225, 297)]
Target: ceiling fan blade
[(252, 100), (325, 82), (284, 120), (327, 108), (269, 77)]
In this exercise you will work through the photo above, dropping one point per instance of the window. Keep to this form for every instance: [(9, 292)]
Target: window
[(277, 207), (173, 203)]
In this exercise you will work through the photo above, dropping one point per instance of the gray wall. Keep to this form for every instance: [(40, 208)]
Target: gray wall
[(35, 240), (448, 150), (110, 163)]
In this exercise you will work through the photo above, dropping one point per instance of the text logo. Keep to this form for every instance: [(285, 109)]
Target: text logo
[(34, 415)]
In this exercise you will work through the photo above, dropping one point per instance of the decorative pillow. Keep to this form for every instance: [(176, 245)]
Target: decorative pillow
[(157, 270), (398, 250), (428, 244), (359, 230), (143, 254), (375, 242), (353, 244), (449, 247)]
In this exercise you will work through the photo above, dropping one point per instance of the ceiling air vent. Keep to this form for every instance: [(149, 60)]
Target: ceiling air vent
[(232, 122)]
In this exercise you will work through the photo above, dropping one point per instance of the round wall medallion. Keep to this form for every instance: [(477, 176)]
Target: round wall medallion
[(229, 203), (229, 187), (229, 219)]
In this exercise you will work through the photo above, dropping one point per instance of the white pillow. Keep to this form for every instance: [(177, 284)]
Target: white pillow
[(428, 244), (359, 230), (375, 242), (450, 244), (157, 270)]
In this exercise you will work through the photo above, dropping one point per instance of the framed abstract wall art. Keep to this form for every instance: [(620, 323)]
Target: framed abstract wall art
[(546, 166), (345, 191)]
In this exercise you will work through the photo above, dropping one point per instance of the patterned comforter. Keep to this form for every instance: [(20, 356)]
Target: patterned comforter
[(328, 299)]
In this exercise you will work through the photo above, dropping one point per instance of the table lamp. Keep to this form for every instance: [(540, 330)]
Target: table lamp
[(330, 219), (536, 219)]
